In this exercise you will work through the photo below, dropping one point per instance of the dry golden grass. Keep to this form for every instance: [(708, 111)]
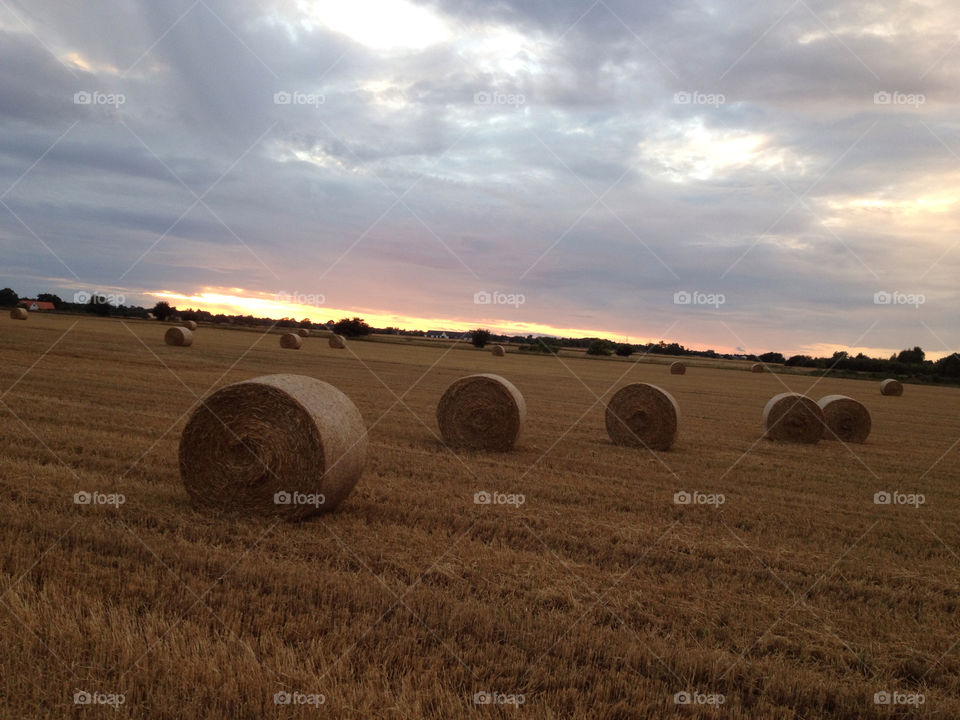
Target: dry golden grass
[(597, 597)]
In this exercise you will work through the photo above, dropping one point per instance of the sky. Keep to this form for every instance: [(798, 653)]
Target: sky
[(746, 176)]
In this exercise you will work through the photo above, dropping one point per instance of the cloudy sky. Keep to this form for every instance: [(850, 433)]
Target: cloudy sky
[(576, 164)]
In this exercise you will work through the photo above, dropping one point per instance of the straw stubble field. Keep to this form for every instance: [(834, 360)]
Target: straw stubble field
[(598, 596)]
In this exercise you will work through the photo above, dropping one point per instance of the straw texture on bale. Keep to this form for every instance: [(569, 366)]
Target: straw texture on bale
[(846, 419), (179, 336), (290, 341), (190, 325), (253, 446), (337, 342), (498, 351), (643, 415), (481, 412), (891, 387), (19, 313), (303, 332), (758, 367), (678, 368), (793, 417)]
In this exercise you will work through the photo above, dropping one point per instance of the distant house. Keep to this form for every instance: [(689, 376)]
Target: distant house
[(35, 305), (438, 334)]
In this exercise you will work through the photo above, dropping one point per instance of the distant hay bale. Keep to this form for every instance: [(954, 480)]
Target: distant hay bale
[(284, 445), (891, 387), (643, 415), (337, 342), (678, 368), (303, 332), (498, 351), (179, 337), (793, 417), (190, 325), (846, 419), (19, 313), (481, 412), (758, 367), (290, 341)]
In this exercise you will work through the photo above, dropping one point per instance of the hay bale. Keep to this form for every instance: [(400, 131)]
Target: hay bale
[(481, 412), (678, 368), (303, 332), (337, 342), (190, 325), (19, 313), (793, 417), (290, 341), (758, 367), (179, 337), (284, 445), (498, 351), (643, 415), (891, 387), (846, 419)]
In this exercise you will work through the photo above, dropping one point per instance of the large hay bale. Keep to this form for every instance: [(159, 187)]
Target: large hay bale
[(179, 337), (793, 417), (678, 368), (337, 342), (758, 367), (498, 351), (284, 445), (290, 341), (643, 415), (303, 332), (481, 412), (190, 325), (891, 387), (19, 313), (846, 419)]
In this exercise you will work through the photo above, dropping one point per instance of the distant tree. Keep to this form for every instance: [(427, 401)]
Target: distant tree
[(912, 357), (949, 366), (771, 357), (98, 305), (351, 327), (624, 350), (305, 323), (800, 361), (51, 298), (480, 337), (599, 347), (8, 298), (162, 310)]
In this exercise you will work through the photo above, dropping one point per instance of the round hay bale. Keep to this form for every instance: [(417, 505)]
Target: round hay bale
[(498, 351), (481, 412), (190, 325), (290, 341), (793, 417), (758, 367), (678, 368), (19, 313), (643, 415), (303, 332), (891, 387), (846, 419), (179, 337), (284, 445), (337, 342)]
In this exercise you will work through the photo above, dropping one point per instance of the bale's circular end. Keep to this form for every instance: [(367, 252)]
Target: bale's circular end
[(845, 418), (303, 332), (793, 417), (190, 325), (337, 342), (481, 412), (678, 368), (290, 341), (643, 415), (19, 314), (891, 387), (758, 367), (284, 445), (179, 337), (498, 351)]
